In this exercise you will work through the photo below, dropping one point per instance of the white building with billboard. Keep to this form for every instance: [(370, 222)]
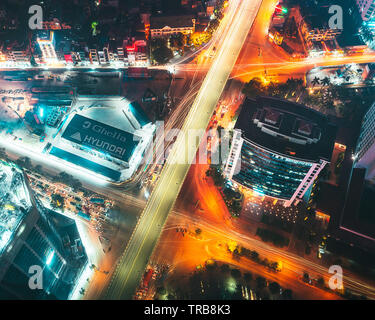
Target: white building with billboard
[(105, 135)]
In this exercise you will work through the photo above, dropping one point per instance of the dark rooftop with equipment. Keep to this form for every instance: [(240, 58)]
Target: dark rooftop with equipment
[(287, 128)]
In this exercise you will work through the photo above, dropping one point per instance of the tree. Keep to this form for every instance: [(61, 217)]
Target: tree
[(211, 264), (177, 41), (254, 255), (254, 88), (315, 81), (326, 81), (75, 184), (274, 266), (224, 268), (274, 288), (306, 277), (161, 291), (287, 294), (24, 162), (38, 168), (232, 245), (261, 282), (87, 193), (248, 277), (57, 201), (216, 175), (367, 34), (198, 38), (3, 154), (213, 26), (265, 295), (161, 55), (235, 273), (321, 281), (235, 208)]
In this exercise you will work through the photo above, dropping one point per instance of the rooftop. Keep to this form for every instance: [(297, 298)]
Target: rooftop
[(287, 128), (109, 135), (358, 216), (173, 21)]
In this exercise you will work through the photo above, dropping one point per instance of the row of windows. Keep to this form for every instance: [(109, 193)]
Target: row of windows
[(270, 174), (42, 248)]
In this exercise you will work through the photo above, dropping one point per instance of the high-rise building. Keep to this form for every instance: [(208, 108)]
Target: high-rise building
[(365, 151), (367, 9), (34, 242), (354, 228), (279, 148)]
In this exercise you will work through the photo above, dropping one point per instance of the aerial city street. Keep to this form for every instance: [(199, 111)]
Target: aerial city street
[(187, 150)]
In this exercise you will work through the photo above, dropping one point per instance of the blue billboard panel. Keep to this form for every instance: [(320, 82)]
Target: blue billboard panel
[(101, 137)]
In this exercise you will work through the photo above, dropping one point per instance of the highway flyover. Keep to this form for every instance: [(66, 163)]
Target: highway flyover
[(131, 265)]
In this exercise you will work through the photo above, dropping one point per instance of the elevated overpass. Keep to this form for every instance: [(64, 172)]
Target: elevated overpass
[(132, 263)]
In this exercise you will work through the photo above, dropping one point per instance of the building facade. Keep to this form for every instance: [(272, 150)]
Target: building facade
[(47, 47), (104, 135), (165, 26), (367, 9), (279, 148), (365, 151), (31, 244)]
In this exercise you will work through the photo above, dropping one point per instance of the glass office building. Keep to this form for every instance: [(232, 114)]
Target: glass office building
[(279, 148), (270, 174), (34, 240)]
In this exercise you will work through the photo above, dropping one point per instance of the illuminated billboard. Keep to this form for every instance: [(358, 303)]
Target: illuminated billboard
[(99, 136)]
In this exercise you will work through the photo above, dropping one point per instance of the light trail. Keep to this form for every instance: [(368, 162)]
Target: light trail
[(293, 262)]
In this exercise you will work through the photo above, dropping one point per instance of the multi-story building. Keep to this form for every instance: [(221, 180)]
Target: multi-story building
[(102, 58), (47, 47), (367, 9), (20, 57), (106, 136), (279, 148), (33, 242), (365, 151), (136, 53), (165, 26), (313, 24)]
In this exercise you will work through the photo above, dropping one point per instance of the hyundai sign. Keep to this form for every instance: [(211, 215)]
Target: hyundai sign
[(106, 139)]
